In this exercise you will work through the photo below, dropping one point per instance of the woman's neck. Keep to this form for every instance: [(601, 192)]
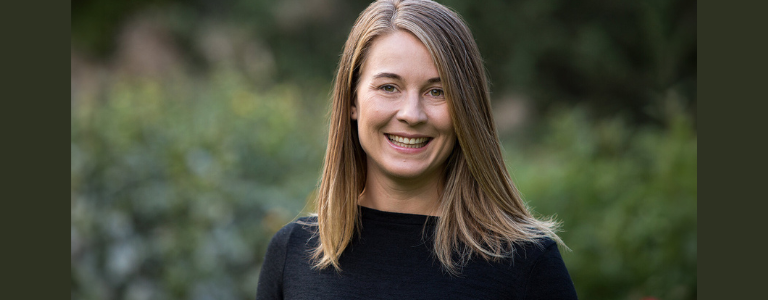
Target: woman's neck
[(402, 196)]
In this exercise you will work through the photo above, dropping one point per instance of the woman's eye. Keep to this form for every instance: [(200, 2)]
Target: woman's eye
[(436, 93), (388, 88)]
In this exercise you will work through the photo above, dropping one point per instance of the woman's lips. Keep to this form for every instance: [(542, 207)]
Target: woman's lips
[(405, 142)]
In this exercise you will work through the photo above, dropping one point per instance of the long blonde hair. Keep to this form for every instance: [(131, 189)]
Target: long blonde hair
[(482, 211)]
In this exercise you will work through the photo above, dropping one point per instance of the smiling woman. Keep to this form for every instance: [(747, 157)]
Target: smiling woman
[(415, 200), (404, 126)]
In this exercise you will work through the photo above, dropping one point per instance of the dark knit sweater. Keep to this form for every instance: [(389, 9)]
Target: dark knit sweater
[(392, 259)]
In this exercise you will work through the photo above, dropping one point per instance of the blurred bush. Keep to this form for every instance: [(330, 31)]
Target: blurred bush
[(626, 196), (177, 185)]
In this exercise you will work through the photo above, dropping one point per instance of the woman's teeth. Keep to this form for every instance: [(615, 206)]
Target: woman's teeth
[(408, 142)]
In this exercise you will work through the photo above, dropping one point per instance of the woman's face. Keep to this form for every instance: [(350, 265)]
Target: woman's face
[(403, 120)]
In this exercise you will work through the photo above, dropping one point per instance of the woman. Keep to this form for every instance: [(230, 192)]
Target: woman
[(414, 201)]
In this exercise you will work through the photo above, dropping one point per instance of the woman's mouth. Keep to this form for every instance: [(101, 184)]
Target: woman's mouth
[(408, 142)]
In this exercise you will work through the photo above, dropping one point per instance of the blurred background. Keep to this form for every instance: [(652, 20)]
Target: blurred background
[(198, 129)]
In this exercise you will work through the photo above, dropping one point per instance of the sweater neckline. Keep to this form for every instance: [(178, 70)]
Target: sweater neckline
[(394, 217)]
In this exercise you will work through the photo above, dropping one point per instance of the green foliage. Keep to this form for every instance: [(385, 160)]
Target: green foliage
[(607, 54), (177, 185), (626, 197)]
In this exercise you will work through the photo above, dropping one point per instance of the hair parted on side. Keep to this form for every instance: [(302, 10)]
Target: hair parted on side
[(482, 210)]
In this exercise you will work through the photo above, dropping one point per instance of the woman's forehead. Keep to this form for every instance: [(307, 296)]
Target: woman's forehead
[(400, 54)]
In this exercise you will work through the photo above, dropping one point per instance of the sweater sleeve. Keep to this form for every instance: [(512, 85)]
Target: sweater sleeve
[(270, 284), (549, 279)]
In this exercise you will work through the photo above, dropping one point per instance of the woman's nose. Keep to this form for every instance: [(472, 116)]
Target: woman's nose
[(412, 110)]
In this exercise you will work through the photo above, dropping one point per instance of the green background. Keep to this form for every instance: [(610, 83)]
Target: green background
[(198, 130)]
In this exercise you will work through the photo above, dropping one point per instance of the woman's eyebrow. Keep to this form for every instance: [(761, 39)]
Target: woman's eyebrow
[(397, 77), (388, 75)]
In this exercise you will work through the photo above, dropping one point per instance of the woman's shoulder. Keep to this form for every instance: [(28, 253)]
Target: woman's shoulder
[(546, 243), (547, 275), (300, 229), (533, 251), (308, 223)]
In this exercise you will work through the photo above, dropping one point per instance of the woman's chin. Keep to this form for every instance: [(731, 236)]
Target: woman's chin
[(411, 174)]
